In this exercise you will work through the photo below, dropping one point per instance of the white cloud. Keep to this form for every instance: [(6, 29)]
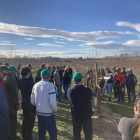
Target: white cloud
[(29, 38), (60, 42), (49, 44), (48, 33), (55, 38), (6, 43), (25, 43), (129, 24)]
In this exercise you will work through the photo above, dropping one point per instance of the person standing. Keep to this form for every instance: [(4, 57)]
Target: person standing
[(114, 88), (31, 77), (119, 81), (108, 83), (66, 81), (43, 66), (125, 75), (52, 79), (29, 110), (101, 80), (13, 104), (57, 83), (131, 82), (38, 76), (70, 72), (81, 110), (44, 98), (4, 113), (128, 127), (61, 79)]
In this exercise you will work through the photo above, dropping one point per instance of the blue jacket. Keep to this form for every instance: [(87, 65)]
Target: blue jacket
[(3, 104), (131, 81)]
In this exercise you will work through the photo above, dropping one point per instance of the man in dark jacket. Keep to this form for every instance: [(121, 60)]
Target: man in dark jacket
[(131, 82), (52, 79), (81, 110), (108, 83), (13, 105), (70, 72), (61, 79), (128, 126), (29, 110), (125, 75), (3, 104), (38, 76), (31, 77)]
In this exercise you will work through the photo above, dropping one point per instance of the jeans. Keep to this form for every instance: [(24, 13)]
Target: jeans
[(109, 86), (3, 127), (66, 86), (47, 123), (124, 85), (27, 124), (131, 90), (119, 92), (58, 91), (87, 127), (61, 84)]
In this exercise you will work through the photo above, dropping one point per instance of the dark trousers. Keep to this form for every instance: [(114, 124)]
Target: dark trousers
[(12, 129), (87, 127), (114, 88), (3, 127), (66, 86), (131, 90), (119, 92), (47, 123), (27, 124)]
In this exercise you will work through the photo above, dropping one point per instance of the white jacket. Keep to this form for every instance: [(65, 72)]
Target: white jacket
[(44, 98)]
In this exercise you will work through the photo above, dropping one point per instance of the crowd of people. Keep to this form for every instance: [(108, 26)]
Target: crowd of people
[(40, 98)]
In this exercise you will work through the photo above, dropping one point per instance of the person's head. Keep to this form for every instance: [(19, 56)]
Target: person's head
[(19, 65), (49, 68), (107, 69), (12, 70), (118, 70), (123, 68), (101, 70), (43, 66), (3, 72), (1, 64), (78, 78), (114, 69), (45, 74), (58, 69), (68, 66), (129, 71), (25, 72), (39, 71), (30, 66), (54, 68), (6, 64), (66, 69)]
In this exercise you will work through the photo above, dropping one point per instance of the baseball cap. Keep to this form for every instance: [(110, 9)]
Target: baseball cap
[(113, 68), (107, 68), (89, 68), (45, 72), (12, 68), (98, 68), (56, 66), (77, 76)]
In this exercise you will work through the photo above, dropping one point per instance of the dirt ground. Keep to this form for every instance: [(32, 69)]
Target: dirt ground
[(107, 126)]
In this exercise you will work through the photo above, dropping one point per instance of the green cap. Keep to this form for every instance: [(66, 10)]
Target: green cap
[(98, 68), (12, 68), (77, 76), (113, 68), (56, 66), (45, 72)]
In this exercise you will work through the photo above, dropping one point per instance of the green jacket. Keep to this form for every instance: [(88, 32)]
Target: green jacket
[(12, 90)]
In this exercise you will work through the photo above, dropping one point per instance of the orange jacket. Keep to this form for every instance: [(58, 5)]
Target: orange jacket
[(121, 77)]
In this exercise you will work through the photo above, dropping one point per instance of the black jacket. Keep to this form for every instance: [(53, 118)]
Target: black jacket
[(61, 73), (26, 86), (66, 78), (125, 74), (70, 71), (37, 78), (80, 101)]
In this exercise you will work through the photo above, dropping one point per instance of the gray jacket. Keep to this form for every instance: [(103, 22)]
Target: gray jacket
[(57, 78), (128, 127)]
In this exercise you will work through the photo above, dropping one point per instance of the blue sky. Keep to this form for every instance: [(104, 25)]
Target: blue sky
[(69, 28)]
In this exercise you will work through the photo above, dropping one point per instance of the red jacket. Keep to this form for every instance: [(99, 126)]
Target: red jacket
[(3, 87), (121, 77)]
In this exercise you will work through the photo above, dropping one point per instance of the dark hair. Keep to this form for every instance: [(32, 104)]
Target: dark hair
[(29, 65), (77, 81), (6, 64), (58, 67), (3, 67), (19, 65), (42, 66), (25, 70), (54, 67), (123, 67), (38, 71)]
